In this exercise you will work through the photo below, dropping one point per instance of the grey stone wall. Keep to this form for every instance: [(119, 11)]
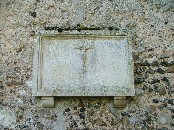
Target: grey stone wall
[(152, 24)]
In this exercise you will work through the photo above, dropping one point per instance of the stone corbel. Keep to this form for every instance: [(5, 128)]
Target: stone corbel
[(47, 102)]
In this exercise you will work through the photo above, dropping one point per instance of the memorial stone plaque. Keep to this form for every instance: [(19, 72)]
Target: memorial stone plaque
[(82, 65)]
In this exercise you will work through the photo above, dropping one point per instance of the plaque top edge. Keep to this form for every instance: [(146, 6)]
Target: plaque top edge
[(80, 36)]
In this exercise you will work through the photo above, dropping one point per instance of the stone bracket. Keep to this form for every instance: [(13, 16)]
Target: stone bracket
[(47, 102), (120, 102)]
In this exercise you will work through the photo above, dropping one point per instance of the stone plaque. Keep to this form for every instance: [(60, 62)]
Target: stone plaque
[(82, 65)]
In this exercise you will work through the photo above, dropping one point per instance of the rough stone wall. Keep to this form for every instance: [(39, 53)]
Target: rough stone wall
[(152, 25)]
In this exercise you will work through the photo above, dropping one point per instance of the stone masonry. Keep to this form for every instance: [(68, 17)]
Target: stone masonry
[(151, 23)]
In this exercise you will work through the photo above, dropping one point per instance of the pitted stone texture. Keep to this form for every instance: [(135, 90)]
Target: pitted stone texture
[(8, 117), (83, 65), (150, 21)]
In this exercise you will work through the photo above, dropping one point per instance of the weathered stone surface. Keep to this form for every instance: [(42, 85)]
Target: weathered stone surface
[(139, 91), (7, 117), (170, 69), (161, 91), (164, 120), (44, 112), (83, 65), (13, 82), (149, 21), (161, 71), (125, 121)]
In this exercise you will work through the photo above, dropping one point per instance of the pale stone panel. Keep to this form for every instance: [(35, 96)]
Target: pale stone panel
[(83, 66)]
